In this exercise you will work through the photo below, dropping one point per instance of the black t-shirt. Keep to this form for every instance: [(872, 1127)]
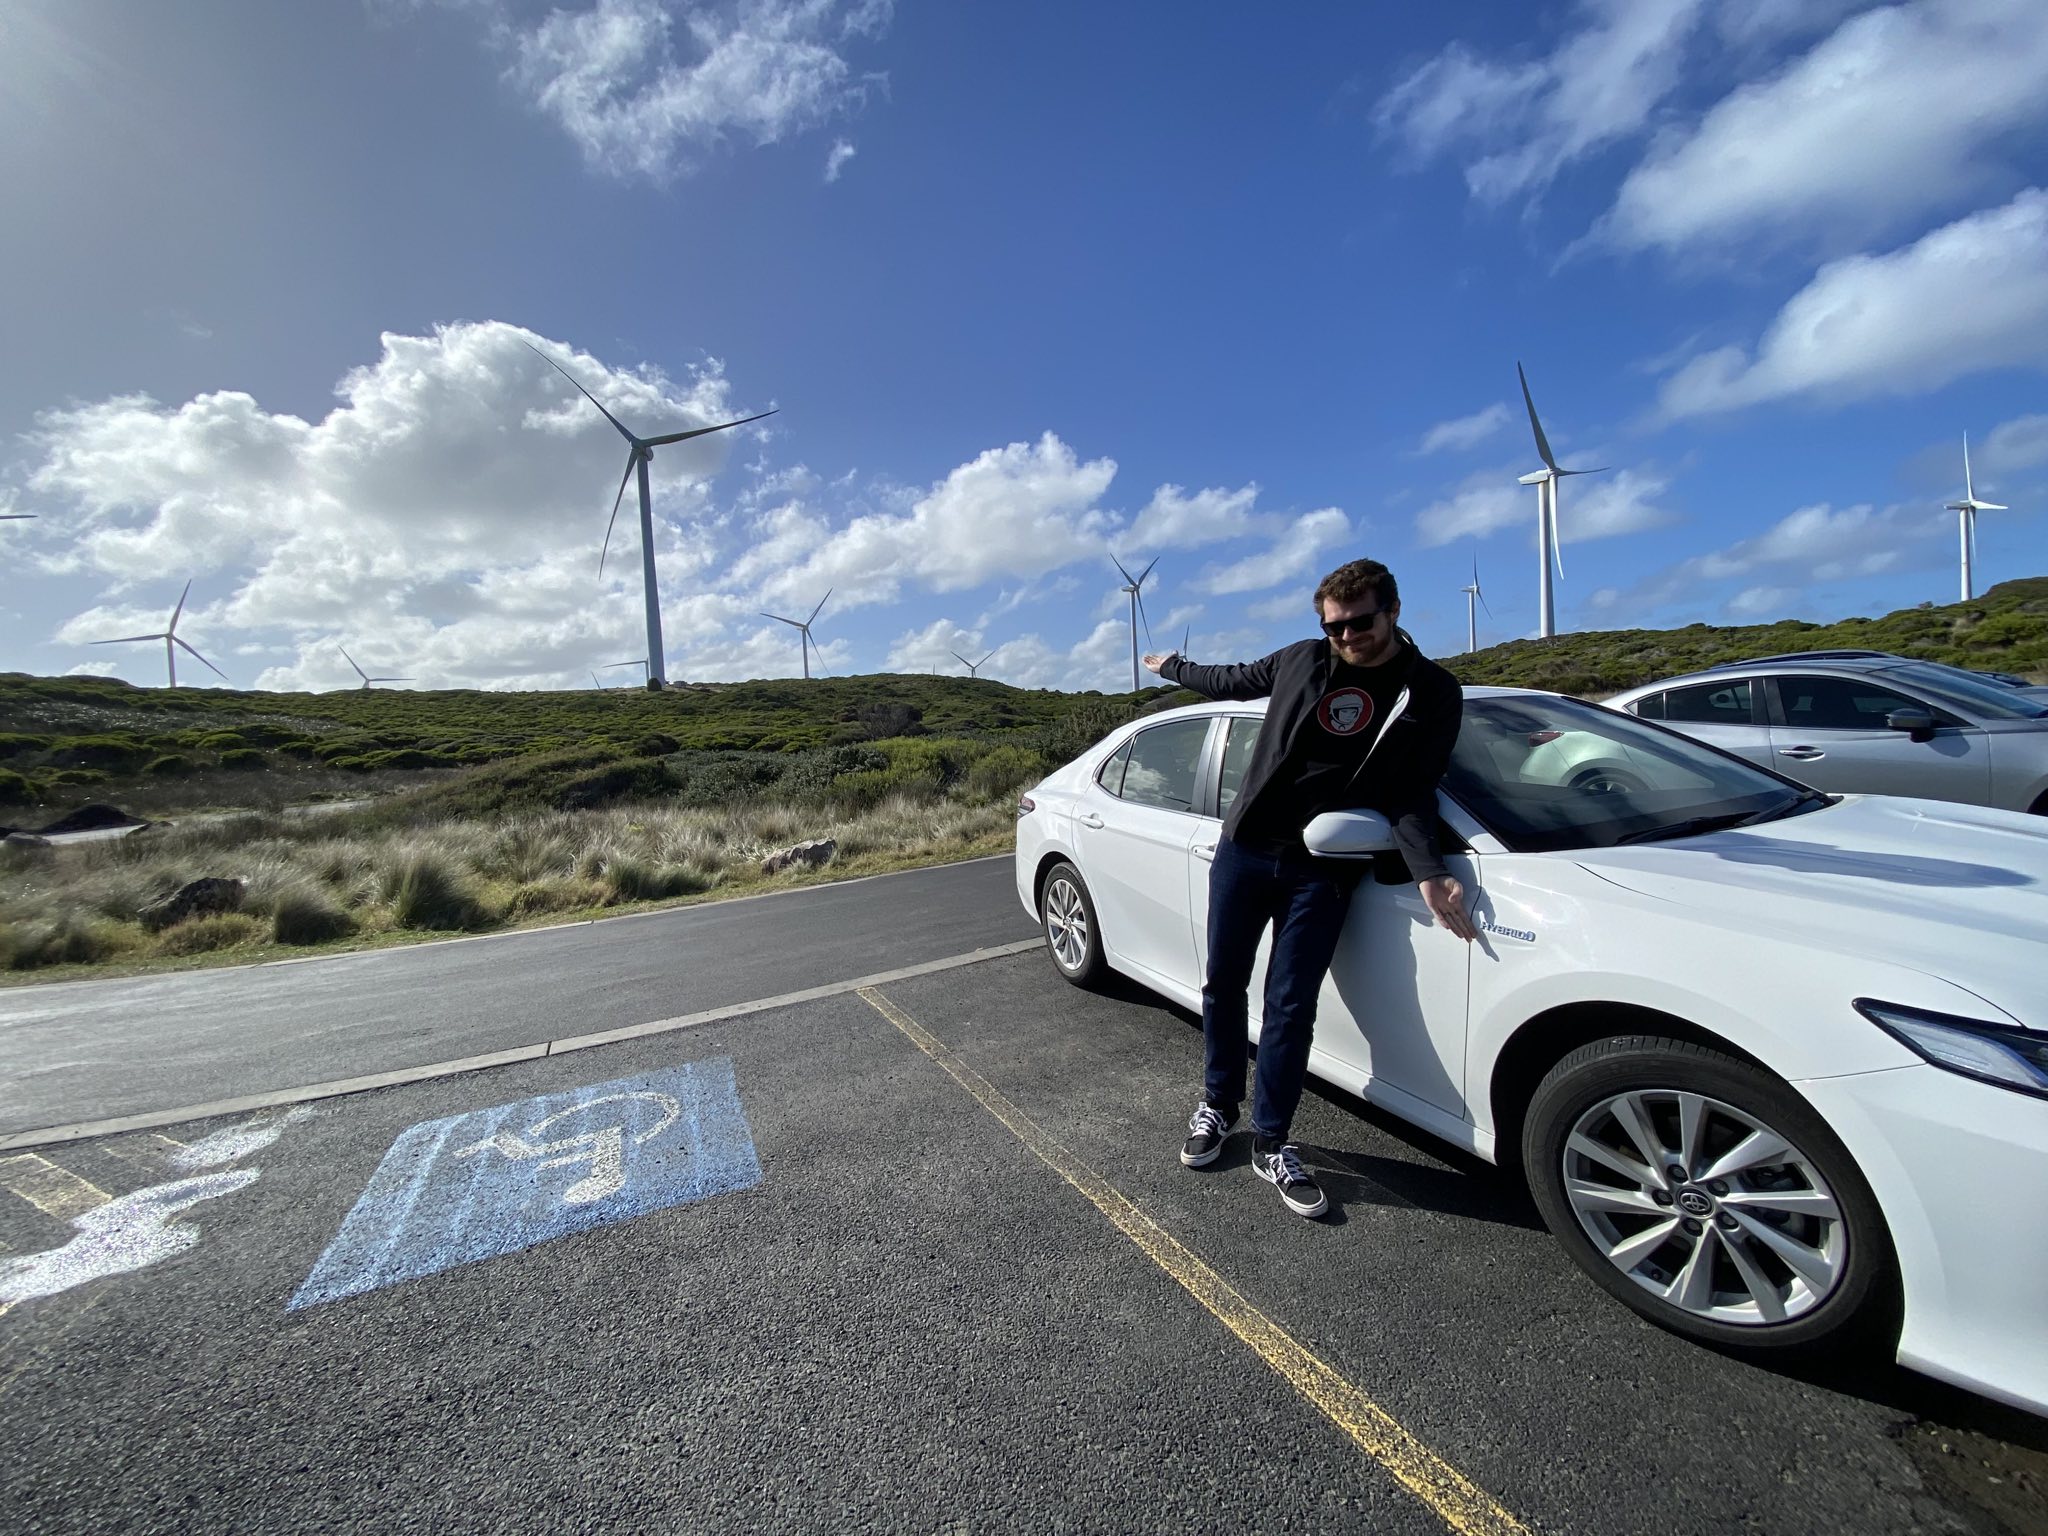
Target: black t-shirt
[(1324, 759)]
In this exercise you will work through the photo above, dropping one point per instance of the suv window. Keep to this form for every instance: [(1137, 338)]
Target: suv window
[(1163, 764), (1709, 704), (1237, 755), (1111, 774), (1839, 703)]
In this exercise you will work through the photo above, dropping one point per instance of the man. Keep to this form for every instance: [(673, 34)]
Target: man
[(1359, 718)]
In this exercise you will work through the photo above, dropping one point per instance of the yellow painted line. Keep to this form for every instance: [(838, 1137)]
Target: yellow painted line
[(52, 1190), (1462, 1504), (152, 1152)]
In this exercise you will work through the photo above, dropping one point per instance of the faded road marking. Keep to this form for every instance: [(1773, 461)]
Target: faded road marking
[(52, 1190), (1459, 1502), (499, 1180), (132, 1232)]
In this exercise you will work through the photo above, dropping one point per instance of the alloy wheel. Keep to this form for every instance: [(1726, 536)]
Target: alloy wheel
[(1066, 923)]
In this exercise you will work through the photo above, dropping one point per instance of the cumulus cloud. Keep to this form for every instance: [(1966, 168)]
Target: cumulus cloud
[(650, 87), (1590, 507), (2012, 445), (1466, 432), (1898, 112), (1519, 124), (1763, 602), (1290, 556), (1968, 296), (835, 162)]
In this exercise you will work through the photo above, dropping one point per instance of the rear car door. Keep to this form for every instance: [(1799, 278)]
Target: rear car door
[(1830, 732), (1134, 829), (1727, 714), (1393, 1006)]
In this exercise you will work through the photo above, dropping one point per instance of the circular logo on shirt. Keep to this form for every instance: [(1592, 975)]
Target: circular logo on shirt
[(1345, 711)]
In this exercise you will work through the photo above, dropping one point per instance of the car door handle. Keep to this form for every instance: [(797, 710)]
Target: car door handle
[(1206, 852), (1091, 820), (1804, 754)]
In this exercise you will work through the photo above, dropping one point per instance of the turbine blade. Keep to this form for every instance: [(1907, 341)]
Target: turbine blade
[(172, 627), (631, 459), (1148, 571), (778, 618), (984, 660), (565, 373), (352, 662), (1120, 569), (959, 658), (1542, 442), (1185, 631), (124, 639), (1600, 471), (1969, 490), (15, 517), (1556, 542), (216, 670), (1140, 596), (1992, 506), (684, 437), (815, 611)]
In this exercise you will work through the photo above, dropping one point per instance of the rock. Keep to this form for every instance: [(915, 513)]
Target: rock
[(199, 899), (91, 818), (810, 855), (25, 840)]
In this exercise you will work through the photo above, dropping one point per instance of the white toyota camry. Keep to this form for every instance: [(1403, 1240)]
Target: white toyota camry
[(1774, 1063)]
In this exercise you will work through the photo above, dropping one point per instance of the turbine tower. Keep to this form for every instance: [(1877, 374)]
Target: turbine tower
[(170, 638), (973, 667), (1130, 588), (639, 453), (804, 628), (1545, 480), (1966, 512), (1471, 613), (367, 679)]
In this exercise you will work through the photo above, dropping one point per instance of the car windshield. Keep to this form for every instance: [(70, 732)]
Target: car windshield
[(1547, 773), (1955, 687)]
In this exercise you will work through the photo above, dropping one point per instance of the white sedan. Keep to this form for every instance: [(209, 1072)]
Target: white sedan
[(1774, 1063)]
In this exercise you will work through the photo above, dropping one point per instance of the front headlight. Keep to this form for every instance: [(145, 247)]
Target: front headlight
[(1991, 1053)]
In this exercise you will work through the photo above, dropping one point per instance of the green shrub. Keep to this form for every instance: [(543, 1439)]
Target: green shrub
[(243, 760), (639, 778), (172, 765), (71, 940), (221, 741), (217, 930), (633, 879), (115, 752), (1003, 772), (14, 744), (76, 776), (304, 915), (347, 746), (17, 789), (656, 744), (302, 750), (426, 893), (406, 757), (857, 792)]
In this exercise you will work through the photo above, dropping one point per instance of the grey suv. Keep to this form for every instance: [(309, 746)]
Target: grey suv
[(1865, 725)]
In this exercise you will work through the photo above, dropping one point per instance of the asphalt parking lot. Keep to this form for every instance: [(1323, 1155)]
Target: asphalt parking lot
[(927, 1262)]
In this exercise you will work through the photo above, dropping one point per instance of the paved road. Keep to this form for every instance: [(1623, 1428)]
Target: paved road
[(101, 1049), (912, 1320)]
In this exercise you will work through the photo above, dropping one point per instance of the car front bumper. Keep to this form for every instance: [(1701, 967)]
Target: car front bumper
[(1961, 1170)]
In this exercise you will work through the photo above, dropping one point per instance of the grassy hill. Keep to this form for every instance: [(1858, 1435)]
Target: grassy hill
[(66, 740)]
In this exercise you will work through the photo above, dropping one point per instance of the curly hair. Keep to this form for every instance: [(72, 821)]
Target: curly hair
[(1358, 579)]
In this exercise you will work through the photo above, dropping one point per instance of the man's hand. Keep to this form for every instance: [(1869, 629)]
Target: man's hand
[(1445, 899), (1154, 660)]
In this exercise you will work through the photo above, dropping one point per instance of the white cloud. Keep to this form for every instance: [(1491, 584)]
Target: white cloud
[(1969, 296), (835, 162), (1894, 115), (1175, 520), (1523, 123), (936, 645), (1297, 604), (1589, 507), (1763, 602), (1466, 432), (2012, 445), (1290, 557), (648, 87)]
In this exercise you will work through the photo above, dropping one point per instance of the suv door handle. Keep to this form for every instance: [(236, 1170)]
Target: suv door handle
[(1206, 852), (1091, 820)]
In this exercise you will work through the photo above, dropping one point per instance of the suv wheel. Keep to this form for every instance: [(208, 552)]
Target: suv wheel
[(1708, 1196)]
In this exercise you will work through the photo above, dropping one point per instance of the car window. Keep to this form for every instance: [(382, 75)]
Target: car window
[(1650, 706), (1111, 774), (1163, 762), (1237, 755), (1968, 690), (1839, 703), (1708, 704)]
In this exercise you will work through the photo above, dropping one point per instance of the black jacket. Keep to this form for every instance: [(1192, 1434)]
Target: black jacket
[(1401, 771)]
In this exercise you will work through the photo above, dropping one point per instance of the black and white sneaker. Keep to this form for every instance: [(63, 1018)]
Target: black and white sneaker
[(1207, 1127), (1282, 1169)]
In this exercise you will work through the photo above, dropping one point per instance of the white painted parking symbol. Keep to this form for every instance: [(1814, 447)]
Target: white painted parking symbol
[(606, 1148)]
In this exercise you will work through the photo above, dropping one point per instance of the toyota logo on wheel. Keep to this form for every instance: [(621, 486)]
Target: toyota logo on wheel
[(1693, 1203)]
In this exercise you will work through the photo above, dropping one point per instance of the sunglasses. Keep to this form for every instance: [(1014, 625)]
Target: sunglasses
[(1361, 622)]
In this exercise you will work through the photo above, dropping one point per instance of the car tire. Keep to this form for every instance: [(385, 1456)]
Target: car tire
[(1073, 938), (1795, 1259)]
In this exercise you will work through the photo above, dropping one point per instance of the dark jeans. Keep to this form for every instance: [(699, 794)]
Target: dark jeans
[(1306, 906)]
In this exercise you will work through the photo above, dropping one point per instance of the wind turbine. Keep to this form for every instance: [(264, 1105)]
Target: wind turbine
[(973, 667), (805, 628), (1130, 587), (1185, 631), (1545, 480), (170, 638), (639, 453), (367, 679), (1471, 613), (1967, 510)]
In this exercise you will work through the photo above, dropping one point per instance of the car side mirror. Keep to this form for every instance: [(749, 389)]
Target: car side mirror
[(1349, 835), (1916, 721)]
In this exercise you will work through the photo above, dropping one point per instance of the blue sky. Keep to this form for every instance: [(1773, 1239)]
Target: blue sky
[(1242, 288)]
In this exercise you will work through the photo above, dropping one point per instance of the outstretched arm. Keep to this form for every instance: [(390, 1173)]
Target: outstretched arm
[(1251, 680)]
